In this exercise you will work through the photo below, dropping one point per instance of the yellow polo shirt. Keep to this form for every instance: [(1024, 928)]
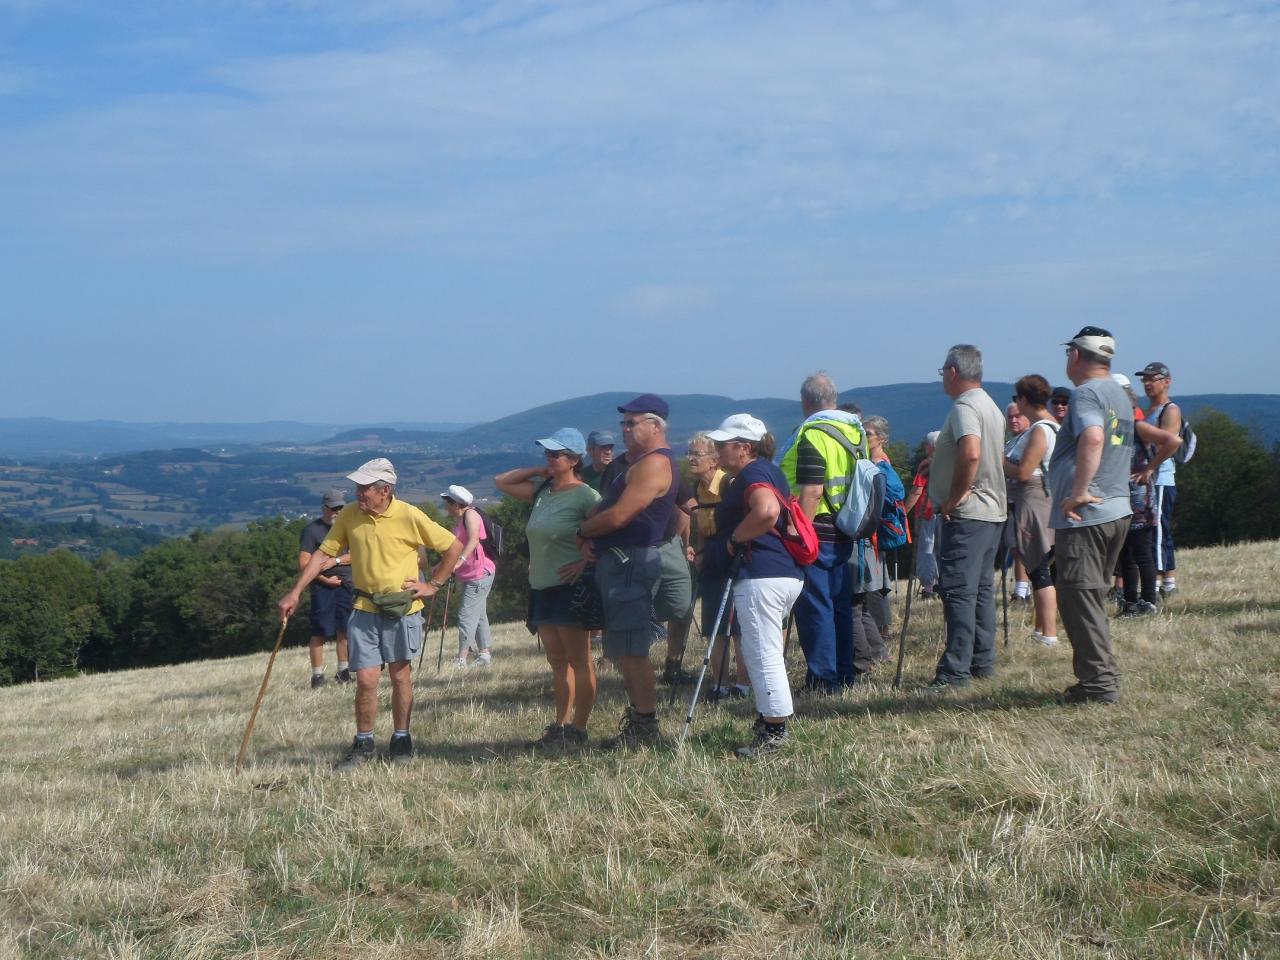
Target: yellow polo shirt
[(384, 548)]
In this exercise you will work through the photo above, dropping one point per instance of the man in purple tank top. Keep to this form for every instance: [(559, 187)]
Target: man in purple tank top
[(624, 535)]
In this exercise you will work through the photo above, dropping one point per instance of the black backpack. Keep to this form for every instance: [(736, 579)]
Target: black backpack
[(494, 535)]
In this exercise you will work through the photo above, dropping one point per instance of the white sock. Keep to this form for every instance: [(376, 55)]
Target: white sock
[(399, 733), (317, 671), (1022, 588), (1168, 581), (343, 665)]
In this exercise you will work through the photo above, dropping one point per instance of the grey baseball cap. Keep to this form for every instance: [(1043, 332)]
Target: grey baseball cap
[(601, 438), (335, 499)]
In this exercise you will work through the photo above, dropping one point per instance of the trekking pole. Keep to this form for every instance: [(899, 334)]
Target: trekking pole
[(262, 690), (1004, 600), (444, 625), (724, 654), (902, 640), (706, 659), (426, 629)]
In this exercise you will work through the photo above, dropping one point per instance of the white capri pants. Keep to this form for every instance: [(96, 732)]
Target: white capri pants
[(761, 606)]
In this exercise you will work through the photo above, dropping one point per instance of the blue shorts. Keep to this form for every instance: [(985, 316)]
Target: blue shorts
[(551, 606), (330, 609), (374, 639)]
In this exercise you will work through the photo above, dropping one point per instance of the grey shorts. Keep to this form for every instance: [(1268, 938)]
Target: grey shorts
[(629, 580), (674, 600), (373, 639)]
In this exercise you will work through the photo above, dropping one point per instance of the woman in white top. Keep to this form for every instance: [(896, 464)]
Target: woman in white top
[(1026, 464)]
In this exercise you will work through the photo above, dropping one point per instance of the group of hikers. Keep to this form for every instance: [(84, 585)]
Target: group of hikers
[(772, 536)]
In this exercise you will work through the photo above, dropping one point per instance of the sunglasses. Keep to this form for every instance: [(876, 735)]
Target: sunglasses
[(630, 424), (559, 453)]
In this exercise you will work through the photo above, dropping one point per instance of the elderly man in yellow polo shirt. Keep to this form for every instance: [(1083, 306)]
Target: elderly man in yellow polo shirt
[(383, 535)]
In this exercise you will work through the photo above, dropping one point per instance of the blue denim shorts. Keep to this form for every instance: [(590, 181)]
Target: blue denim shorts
[(374, 639)]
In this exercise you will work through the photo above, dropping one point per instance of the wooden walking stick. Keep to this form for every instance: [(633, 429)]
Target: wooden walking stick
[(902, 640), (262, 690)]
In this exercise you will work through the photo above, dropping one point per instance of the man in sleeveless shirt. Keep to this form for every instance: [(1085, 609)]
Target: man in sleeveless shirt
[(624, 536), (1167, 415)]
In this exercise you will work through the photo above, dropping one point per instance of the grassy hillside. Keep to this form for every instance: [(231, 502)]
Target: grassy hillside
[(994, 823)]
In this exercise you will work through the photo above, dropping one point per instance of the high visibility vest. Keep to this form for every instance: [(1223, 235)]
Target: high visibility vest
[(838, 461)]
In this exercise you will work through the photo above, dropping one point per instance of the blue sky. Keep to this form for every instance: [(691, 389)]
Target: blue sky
[(343, 211)]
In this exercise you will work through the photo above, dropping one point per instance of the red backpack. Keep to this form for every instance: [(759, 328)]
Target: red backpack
[(797, 533)]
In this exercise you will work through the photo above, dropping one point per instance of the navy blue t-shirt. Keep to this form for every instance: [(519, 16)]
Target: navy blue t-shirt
[(767, 555)]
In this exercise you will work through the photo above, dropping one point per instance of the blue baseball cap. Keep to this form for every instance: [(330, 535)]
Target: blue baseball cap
[(646, 403), (601, 438), (566, 438)]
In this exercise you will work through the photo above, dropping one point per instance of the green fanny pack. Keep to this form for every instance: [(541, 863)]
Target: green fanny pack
[(394, 605)]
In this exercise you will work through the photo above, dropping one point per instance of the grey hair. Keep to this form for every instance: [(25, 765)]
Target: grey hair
[(382, 485), (967, 361), (877, 423), (662, 424), (701, 439), (819, 391), (931, 438)]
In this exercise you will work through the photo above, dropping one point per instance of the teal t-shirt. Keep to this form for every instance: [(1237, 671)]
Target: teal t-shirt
[(550, 532)]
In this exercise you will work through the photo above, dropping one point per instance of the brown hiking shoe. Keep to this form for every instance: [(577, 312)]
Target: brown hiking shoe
[(634, 731)]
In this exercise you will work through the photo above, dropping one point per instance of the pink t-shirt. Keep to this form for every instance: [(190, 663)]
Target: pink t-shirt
[(478, 565)]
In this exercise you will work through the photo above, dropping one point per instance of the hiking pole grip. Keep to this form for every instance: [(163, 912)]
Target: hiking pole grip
[(734, 565), (262, 690), (902, 639)]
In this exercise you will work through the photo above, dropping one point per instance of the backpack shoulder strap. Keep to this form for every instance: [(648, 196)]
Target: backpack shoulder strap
[(857, 451)]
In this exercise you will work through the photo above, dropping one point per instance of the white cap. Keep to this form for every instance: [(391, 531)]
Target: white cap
[(740, 426), (373, 471), (1121, 379), (458, 495)]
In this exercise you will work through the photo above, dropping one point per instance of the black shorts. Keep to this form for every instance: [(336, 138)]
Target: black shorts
[(709, 594), (330, 609), (551, 606)]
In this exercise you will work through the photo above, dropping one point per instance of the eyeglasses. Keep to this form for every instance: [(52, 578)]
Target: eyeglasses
[(942, 371), (1070, 350), (697, 456), (630, 424), (558, 453)]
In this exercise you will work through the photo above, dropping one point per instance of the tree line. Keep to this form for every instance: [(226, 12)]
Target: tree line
[(212, 595)]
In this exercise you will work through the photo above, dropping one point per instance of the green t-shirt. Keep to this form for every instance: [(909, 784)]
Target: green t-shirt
[(550, 531)]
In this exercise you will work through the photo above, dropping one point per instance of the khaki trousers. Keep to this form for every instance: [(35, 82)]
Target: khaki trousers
[(1084, 561)]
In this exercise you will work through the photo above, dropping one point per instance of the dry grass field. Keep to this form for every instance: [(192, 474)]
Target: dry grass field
[(993, 823)]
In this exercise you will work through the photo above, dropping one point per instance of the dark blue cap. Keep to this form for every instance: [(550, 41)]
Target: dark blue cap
[(601, 438), (646, 403)]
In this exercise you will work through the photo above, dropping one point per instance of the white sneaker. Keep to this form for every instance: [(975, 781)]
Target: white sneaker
[(1041, 638), (483, 660), (458, 662)]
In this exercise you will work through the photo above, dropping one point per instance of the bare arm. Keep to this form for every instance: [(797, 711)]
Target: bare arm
[(1032, 454), (439, 573), (760, 518), (968, 452), (1088, 456), (1166, 444), (289, 602), (810, 497), (472, 522), (646, 481), (520, 483)]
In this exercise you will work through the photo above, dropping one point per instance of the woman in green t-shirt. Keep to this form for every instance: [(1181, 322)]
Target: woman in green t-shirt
[(561, 501)]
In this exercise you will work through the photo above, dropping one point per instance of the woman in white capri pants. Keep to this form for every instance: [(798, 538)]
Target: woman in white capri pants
[(748, 520)]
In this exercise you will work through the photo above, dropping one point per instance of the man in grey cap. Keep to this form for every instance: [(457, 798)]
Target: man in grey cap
[(1167, 415), (330, 591), (383, 535), (600, 444), (1089, 482)]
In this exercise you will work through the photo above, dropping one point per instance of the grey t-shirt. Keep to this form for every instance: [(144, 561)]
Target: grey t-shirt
[(1095, 403), (974, 414)]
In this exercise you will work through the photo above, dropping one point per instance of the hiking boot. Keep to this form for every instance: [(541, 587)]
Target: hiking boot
[(673, 673), (401, 750), (361, 752), (1139, 608), (1168, 591), (937, 686), (763, 741), (317, 681), (1077, 694), (574, 739), (634, 732), (343, 676), (551, 739)]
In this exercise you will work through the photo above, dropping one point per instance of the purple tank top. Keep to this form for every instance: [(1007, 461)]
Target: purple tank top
[(649, 528)]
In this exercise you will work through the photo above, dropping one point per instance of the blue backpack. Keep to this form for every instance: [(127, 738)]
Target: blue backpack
[(860, 506), (893, 531)]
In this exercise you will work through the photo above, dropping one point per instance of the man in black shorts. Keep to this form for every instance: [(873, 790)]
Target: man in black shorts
[(330, 592)]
